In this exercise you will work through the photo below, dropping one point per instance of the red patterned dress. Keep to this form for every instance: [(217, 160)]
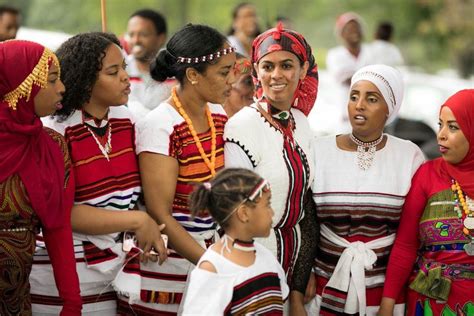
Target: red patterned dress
[(18, 227)]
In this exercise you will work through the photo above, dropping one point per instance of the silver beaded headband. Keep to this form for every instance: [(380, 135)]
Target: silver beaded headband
[(202, 59), (391, 95)]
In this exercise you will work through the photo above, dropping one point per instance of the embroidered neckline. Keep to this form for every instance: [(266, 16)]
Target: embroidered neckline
[(286, 130)]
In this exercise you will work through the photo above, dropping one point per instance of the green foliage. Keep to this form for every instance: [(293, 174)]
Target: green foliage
[(432, 34)]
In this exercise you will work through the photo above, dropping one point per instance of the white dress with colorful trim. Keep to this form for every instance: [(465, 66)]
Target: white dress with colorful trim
[(159, 288), (236, 290)]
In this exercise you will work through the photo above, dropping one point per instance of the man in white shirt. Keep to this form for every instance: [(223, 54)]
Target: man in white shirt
[(146, 34), (383, 51)]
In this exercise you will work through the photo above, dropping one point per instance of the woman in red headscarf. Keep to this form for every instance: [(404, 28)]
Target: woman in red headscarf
[(272, 137), (436, 232), (35, 180)]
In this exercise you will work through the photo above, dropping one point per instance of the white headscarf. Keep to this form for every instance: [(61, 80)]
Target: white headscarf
[(389, 81)]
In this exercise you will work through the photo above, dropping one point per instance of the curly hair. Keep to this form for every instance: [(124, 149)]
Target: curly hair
[(81, 58)]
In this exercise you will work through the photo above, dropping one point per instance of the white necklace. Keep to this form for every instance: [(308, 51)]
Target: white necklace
[(108, 146), (246, 246), (365, 151)]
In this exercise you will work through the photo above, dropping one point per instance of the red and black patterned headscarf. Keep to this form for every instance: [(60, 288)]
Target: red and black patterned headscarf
[(279, 39)]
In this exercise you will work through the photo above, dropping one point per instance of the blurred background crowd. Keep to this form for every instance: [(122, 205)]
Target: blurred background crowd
[(433, 36)]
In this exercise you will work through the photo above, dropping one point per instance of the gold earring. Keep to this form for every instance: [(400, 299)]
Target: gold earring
[(194, 82)]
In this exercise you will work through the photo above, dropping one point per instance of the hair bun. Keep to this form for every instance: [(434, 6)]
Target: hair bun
[(162, 67)]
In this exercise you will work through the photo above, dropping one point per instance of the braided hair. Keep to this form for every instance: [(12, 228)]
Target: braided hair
[(224, 193)]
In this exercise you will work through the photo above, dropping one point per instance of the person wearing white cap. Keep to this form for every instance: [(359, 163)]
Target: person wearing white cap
[(361, 180), (344, 60)]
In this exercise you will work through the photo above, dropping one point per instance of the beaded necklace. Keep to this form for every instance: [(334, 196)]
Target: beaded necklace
[(463, 206), (107, 148), (211, 164), (365, 151)]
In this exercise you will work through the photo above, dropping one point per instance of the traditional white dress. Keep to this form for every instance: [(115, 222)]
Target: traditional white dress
[(359, 212), (151, 289), (236, 290)]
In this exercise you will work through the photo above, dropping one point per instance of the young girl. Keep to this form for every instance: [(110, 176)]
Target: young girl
[(100, 136), (236, 275)]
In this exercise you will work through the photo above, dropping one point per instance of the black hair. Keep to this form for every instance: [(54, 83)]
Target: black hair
[(240, 56), (157, 18), (235, 13), (81, 58), (227, 190), (193, 40), (8, 9), (384, 31)]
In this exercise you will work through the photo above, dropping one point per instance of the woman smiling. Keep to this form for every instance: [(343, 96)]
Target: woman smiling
[(272, 137)]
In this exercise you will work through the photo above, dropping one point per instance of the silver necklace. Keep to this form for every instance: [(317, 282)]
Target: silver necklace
[(365, 151), (108, 146)]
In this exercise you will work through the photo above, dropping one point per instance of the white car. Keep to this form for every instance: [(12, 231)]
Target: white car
[(49, 39)]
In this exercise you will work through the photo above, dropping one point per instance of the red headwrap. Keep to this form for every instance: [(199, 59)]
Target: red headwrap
[(462, 106), (278, 39), (25, 148)]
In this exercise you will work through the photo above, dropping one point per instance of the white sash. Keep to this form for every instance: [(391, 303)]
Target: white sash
[(349, 274)]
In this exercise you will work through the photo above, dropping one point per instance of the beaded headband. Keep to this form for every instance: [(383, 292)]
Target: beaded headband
[(257, 191), (38, 76), (202, 59)]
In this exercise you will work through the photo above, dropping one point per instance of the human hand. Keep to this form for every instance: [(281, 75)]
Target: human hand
[(149, 238), (296, 304), (386, 307), (310, 289)]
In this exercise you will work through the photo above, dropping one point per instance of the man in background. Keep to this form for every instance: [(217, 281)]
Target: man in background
[(9, 22), (146, 34), (382, 50)]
